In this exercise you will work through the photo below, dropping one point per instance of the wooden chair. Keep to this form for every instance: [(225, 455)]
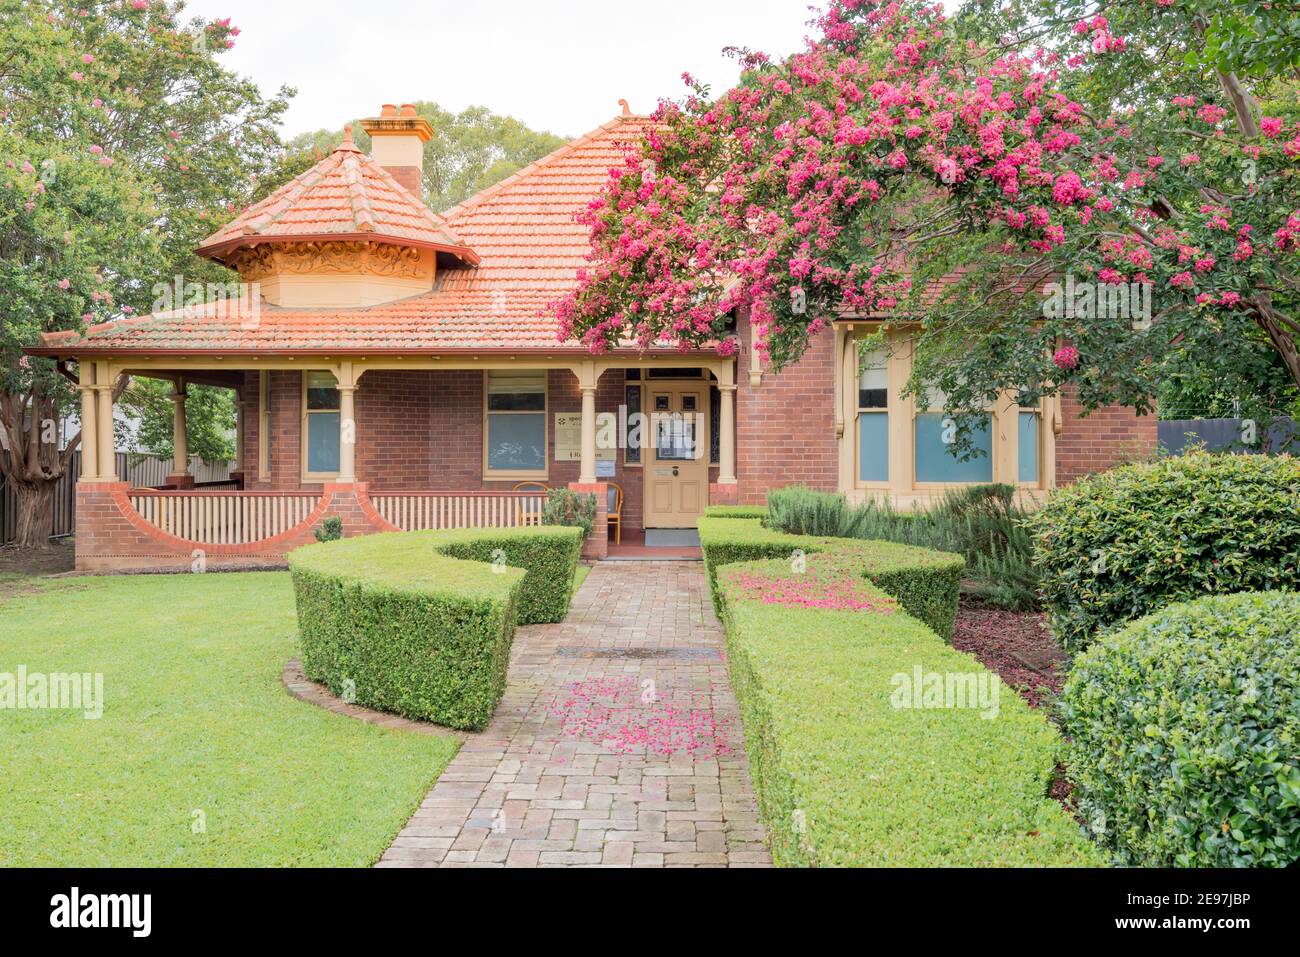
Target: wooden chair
[(530, 514), (615, 506)]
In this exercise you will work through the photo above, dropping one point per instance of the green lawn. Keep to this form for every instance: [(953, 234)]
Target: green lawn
[(195, 720), (580, 576)]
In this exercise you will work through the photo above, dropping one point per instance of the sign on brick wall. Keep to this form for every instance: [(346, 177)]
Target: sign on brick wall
[(568, 440)]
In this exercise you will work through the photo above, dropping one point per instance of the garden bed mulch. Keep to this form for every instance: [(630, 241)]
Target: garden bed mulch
[(1016, 645)]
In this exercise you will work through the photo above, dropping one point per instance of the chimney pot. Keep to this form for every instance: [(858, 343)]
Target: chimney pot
[(408, 109), (388, 109)]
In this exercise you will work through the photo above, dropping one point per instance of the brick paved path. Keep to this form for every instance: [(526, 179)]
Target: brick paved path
[(617, 743)]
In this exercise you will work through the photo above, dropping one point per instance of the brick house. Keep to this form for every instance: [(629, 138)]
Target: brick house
[(397, 368)]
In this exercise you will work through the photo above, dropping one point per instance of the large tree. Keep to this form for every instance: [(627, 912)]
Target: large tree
[(1121, 145), (126, 142), (470, 150)]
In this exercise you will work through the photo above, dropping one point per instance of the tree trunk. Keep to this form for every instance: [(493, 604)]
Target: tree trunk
[(35, 519)]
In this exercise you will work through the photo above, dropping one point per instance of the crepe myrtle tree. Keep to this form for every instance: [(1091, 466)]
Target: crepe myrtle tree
[(1111, 145), (124, 142)]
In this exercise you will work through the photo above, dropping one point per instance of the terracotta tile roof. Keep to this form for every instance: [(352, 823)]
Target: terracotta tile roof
[(522, 229), (345, 194)]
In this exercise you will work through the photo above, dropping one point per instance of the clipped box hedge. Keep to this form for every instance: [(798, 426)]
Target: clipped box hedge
[(1121, 544), (926, 582), (420, 624), (845, 778), (1185, 734), (736, 511)]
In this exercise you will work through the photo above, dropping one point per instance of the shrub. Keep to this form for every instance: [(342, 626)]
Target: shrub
[(330, 530), (415, 624), (845, 778), (802, 511), (927, 583), (981, 523), (569, 509), (1185, 730), (1124, 543)]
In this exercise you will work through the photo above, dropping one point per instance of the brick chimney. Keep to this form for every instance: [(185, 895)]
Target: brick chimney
[(397, 139)]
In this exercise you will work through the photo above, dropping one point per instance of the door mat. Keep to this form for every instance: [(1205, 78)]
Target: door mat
[(672, 538)]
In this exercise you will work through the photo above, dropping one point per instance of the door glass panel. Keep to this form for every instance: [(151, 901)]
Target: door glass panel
[(675, 438)]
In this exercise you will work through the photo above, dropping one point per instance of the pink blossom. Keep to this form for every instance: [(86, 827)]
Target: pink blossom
[(1271, 127), (65, 284), (1066, 358)]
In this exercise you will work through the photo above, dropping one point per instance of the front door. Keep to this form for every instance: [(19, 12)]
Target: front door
[(677, 464)]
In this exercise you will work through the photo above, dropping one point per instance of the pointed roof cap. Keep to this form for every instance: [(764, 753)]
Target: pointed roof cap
[(346, 196)]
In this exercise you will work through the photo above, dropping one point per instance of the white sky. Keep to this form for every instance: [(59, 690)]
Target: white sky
[(560, 66)]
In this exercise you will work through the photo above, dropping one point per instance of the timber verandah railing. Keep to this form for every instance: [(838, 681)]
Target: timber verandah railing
[(244, 518), (420, 511), (224, 518)]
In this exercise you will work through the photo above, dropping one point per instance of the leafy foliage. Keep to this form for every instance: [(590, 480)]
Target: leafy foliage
[(125, 142), (418, 625), (1121, 544), (330, 530), (209, 419), (905, 164), (1184, 730), (567, 508), (845, 778)]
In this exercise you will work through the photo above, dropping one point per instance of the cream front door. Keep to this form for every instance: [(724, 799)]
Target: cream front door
[(677, 460)]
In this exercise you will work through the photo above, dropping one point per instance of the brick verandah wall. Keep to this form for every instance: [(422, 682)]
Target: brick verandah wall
[(1107, 437), (785, 429), (113, 537)]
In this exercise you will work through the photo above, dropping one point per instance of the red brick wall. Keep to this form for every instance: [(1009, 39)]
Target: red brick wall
[(422, 431), (1106, 437), (394, 412), (785, 429)]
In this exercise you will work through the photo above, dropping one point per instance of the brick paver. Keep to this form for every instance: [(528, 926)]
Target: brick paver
[(617, 743)]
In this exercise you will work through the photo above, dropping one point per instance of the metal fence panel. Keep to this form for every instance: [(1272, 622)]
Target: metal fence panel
[(1229, 435)]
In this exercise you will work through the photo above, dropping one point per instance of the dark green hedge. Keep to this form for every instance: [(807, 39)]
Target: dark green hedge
[(548, 555), (736, 511), (1124, 543), (1185, 734), (844, 777), (421, 624), (927, 583)]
